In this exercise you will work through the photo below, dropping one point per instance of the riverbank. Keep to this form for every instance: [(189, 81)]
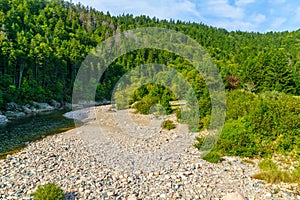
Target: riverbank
[(18, 133), (14, 111), (79, 160)]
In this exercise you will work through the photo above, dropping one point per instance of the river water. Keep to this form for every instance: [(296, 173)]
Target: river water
[(15, 135)]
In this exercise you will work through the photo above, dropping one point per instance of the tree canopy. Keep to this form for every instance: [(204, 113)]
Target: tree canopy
[(43, 43)]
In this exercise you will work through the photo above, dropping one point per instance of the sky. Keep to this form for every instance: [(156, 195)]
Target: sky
[(244, 15)]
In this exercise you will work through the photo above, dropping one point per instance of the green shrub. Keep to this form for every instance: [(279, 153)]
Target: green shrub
[(271, 173), (274, 176), (267, 164), (213, 157), (271, 125), (205, 122), (143, 106), (49, 191), (168, 124), (259, 126), (240, 103), (178, 114)]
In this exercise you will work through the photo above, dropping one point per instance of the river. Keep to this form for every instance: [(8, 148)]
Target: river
[(16, 135)]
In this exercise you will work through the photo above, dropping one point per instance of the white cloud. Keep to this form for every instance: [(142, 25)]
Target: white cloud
[(248, 15), (221, 8), (240, 3), (277, 1), (258, 18), (277, 23), (176, 9), (167, 9), (297, 16), (235, 25)]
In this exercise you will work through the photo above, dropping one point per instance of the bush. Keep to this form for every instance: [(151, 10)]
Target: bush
[(213, 157), (143, 106), (240, 103), (50, 191), (267, 164), (259, 125), (168, 124), (271, 173)]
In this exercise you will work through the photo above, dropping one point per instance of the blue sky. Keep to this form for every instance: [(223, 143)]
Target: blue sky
[(244, 15)]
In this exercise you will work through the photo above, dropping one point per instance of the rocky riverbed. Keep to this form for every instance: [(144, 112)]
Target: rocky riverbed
[(118, 155)]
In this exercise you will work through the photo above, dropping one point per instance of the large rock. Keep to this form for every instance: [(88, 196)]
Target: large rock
[(106, 102), (234, 196), (3, 120), (26, 110), (12, 106), (12, 115), (43, 107), (55, 104), (68, 105), (80, 115)]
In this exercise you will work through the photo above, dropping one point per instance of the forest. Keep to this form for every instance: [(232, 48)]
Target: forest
[(43, 43)]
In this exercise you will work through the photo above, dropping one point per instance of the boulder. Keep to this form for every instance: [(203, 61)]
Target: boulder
[(234, 196), (12, 106), (27, 105), (105, 102), (3, 120), (80, 115), (26, 110), (33, 109), (55, 104), (43, 107), (68, 105), (12, 115)]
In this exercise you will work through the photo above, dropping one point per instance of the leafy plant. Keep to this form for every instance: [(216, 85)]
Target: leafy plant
[(271, 173), (144, 106), (213, 157), (259, 125), (49, 191), (168, 124), (267, 164)]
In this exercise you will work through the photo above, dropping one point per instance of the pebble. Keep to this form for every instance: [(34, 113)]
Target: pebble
[(93, 171)]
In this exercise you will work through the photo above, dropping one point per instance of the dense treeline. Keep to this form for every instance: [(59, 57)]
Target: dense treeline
[(44, 42)]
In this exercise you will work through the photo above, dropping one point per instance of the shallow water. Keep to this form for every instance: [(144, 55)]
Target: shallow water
[(16, 134)]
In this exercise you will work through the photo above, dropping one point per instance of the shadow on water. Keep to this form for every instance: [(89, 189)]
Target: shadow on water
[(15, 135)]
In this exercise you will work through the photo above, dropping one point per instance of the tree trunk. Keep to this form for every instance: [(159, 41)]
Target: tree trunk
[(22, 67)]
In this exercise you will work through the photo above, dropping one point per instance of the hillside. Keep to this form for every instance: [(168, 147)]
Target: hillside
[(43, 44)]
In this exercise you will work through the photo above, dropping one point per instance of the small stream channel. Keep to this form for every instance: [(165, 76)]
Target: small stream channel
[(16, 134)]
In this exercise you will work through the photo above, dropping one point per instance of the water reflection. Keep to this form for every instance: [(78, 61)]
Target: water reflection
[(16, 134)]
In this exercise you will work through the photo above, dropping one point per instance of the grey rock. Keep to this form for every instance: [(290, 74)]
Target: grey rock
[(3, 120), (11, 106), (12, 115), (27, 105), (68, 105), (26, 110), (55, 104), (43, 107)]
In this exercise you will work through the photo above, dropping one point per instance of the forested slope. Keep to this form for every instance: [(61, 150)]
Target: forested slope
[(44, 42)]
